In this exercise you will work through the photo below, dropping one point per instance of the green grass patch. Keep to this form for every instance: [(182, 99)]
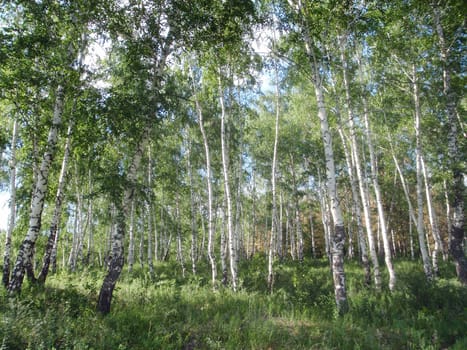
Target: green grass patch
[(173, 312)]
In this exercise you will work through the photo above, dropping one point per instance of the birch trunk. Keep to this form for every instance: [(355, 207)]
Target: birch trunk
[(287, 231), (379, 201), (418, 150), (324, 216), (432, 217), (312, 231), (149, 210), (131, 244), (239, 240), (12, 214), (279, 227), (194, 238), (228, 198), (77, 231), (26, 250), (274, 229), (141, 248), (291, 235), (356, 208), (456, 158), (178, 218), (298, 225), (255, 223), (338, 236), (207, 154), (202, 246), (223, 249), (405, 188), (448, 211), (90, 245), (57, 214), (123, 211)]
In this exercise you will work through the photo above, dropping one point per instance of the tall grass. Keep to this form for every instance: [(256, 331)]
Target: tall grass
[(176, 313)]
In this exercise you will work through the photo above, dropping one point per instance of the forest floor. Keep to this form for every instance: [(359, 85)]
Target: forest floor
[(173, 312)]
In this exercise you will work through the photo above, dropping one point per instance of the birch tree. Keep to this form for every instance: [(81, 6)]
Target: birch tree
[(26, 250), (56, 218), (420, 222), (228, 199), (456, 165), (303, 12), (12, 204), (207, 155)]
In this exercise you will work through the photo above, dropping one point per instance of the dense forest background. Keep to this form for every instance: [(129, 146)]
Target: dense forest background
[(236, 145)]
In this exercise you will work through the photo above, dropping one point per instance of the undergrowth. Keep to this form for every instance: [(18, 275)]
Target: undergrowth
[(173, 312)]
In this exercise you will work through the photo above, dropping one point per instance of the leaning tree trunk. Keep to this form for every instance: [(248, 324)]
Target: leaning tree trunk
[(365, 204), (56, 218), (123, 211), (456, 158), (228, 198), (211, 232), (438, 249), (12, 214), (379, 202), (418, 153), (26, 250), (115, 263), (356, 208), (365, 197)]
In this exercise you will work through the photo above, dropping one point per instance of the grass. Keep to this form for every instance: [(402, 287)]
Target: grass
[(177, 313)]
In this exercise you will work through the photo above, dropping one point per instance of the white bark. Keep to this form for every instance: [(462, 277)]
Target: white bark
[(379, 202), (207, 154), (279, 227), (338, 234), (448, 211), (456, 157), (12, 204), (432, 217), (52, 241), (178, 218), (149, 209), (228, 198), (131, 237), (298, 234), (26, 249), (418, 150), (194, 236), (313, 243), (356, 205), (123, 208), (274, 226)]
